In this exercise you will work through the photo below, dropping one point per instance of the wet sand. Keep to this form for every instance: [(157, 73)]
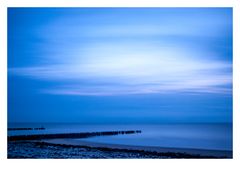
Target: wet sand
[(201, 152)]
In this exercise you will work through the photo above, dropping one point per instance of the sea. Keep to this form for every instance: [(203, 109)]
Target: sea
[(209, 136)]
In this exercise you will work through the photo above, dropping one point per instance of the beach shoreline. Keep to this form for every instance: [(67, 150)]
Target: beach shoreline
[(57, 148), (191, 151), (26, 146)]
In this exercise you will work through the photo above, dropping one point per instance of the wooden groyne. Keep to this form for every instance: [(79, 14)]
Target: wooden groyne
[(70, 135), (36, 128)]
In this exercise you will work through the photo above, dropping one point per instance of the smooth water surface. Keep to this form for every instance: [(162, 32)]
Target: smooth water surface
[(200, 136)]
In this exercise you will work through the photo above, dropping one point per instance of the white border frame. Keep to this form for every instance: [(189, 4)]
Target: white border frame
[(157, 163)]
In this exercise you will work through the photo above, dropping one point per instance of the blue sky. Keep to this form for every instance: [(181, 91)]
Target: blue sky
[(120, 65)]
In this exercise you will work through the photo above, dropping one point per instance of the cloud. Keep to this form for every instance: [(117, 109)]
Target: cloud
[(109, 72), (134, 55)]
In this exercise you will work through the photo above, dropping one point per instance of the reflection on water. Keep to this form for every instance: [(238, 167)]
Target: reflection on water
[(203, 136)]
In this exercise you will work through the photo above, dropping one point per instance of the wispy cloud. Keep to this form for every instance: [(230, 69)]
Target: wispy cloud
[(147, 72), (133, 56)]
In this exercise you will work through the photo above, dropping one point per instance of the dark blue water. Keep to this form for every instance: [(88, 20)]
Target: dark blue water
[(200, 136)]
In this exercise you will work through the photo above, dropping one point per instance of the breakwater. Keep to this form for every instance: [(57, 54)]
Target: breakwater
[(36, 128), (70, 135)]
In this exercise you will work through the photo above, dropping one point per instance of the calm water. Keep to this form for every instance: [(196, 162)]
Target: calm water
[(203, 136)]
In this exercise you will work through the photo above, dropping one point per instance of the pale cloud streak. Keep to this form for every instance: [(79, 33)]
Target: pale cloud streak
[(112, 57), (135, 73)]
